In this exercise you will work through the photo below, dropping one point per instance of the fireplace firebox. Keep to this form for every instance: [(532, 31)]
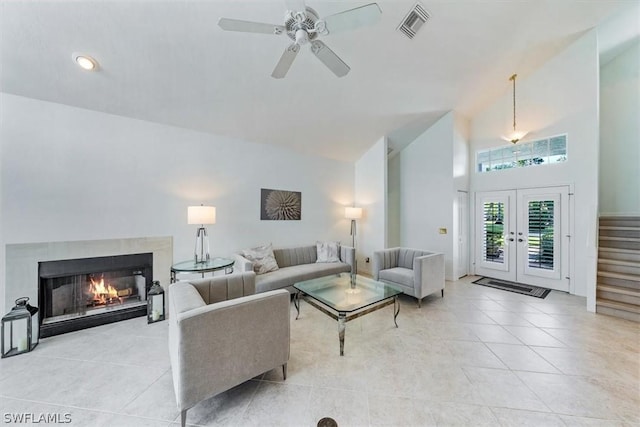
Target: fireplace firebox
[(86, 292)]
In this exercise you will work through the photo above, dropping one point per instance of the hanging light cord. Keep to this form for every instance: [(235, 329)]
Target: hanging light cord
[(514, 100)]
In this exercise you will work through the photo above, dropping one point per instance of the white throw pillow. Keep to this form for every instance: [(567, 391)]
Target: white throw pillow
[(262, 258), (328, 251)]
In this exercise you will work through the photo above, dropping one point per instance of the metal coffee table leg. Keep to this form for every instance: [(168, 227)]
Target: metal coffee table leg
[(341, 327), (396, 309), (296, 303)]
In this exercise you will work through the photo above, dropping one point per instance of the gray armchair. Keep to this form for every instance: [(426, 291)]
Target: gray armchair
[(417, 272), (222, 334)]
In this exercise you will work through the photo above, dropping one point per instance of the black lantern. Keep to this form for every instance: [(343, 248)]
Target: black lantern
[(155, 303), (20, 329)]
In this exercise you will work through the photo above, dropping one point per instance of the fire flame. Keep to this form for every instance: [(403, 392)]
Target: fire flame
[(101, 293)]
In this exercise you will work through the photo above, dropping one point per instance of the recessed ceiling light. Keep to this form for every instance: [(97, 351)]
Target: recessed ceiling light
[(85, 61)]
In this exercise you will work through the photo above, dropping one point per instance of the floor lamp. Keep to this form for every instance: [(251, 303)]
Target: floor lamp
[(353, 213), (202, 215)]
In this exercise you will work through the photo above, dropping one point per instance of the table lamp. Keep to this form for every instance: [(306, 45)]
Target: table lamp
[(201, 215)]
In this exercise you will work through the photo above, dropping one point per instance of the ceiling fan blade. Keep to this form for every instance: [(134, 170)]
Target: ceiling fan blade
[(329, 58), (249, 27), (297, 5), (353, 18), (285, 61)]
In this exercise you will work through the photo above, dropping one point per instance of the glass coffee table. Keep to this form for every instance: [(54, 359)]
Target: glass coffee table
[(345, 297)]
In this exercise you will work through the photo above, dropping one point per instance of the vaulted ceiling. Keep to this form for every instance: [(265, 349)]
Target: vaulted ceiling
[(169, 62)]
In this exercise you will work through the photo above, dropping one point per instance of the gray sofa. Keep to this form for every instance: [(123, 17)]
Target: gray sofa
[(297, 264), (221, 334), (417, 272)]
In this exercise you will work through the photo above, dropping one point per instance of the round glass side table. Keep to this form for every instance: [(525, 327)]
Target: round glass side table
[(209, 266)]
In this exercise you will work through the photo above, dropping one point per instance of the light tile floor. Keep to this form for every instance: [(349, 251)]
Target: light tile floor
[(478, 356)]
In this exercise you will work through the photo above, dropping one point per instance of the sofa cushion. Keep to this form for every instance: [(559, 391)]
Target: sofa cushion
[(262, 258), (287, 257), (287, 276), (401, 275), (328, 251)]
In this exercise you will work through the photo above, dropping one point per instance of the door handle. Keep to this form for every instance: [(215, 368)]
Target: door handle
[(511, 239), (520, 240)]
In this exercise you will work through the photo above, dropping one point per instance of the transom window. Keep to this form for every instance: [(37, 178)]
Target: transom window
[(541, 152)]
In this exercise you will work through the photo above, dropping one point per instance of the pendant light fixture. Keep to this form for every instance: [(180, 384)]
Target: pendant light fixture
[(515, 136)]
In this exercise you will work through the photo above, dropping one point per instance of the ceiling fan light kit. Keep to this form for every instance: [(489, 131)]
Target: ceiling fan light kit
[(303, 25)]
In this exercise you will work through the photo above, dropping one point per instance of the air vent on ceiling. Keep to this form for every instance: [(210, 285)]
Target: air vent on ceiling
[(414, 20)]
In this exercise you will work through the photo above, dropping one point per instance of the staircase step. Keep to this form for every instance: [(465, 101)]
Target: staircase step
[(630, 277), (612, 281), (617, 297), (619, 239), (619, 305), (619, 262), (619, 221), (618, 254), (611, 231), (619, 294), (616, 266), (619, 242), (619, 290), (614, 309)]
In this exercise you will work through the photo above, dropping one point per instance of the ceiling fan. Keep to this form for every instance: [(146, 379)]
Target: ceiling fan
[(303, 25)]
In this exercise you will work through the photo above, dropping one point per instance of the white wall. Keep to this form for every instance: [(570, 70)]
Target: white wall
[(427, 188), (620, 133), (560, 97), (424, 179), (393, 202), (371, 195), (73, 174)]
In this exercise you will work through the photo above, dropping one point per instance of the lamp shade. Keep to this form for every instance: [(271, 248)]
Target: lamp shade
[(201, 215), (352, 213)]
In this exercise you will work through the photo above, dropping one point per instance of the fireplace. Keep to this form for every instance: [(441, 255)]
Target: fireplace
[(81, 293)]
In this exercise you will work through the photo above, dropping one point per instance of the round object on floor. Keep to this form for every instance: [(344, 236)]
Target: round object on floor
[(327, 422)]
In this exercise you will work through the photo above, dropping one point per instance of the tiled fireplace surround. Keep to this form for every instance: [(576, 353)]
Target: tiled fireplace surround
[(22, 260)]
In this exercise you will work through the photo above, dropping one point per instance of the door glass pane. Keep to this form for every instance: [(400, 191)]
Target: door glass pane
[(541, 234), (493, 249)]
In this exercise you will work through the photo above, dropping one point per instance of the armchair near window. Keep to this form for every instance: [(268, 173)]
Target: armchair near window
[(222, 334), (417, 272)]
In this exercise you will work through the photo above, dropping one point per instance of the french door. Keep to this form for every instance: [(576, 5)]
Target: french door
[(523, 236)]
